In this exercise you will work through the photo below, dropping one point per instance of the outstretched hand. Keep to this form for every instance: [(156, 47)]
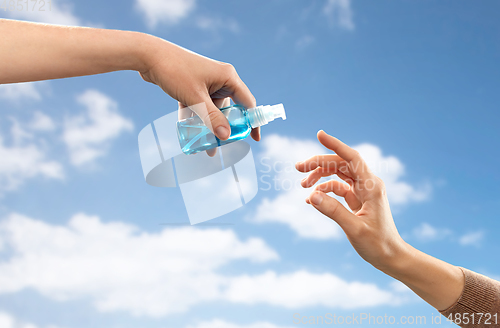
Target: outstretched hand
[(368, 224)]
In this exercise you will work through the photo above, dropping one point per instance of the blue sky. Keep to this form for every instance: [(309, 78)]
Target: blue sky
[(413, 84)]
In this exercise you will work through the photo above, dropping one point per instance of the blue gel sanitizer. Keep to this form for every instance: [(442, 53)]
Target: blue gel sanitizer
[(194, 135)]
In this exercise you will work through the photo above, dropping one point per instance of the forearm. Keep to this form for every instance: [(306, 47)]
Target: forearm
[(438, 283), (32, 52)]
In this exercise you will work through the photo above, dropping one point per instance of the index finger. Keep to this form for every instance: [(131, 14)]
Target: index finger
[(357, 165), (241, 94), (340, 148)]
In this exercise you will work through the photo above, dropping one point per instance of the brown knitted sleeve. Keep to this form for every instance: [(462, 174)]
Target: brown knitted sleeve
[(479, 304)]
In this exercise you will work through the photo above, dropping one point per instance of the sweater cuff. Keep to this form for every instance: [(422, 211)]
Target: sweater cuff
[(480, 295)]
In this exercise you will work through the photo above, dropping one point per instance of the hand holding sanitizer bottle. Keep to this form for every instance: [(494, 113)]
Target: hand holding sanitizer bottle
[(194, 135)]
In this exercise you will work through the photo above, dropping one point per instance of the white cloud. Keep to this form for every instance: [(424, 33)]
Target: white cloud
[(340, 13), (8, 321), (217, 323), (278, 159), (22, 161), (290, 208), (171, 12), (472, 239), (41, 122), (427, 232), (16, 92), (305, 289), (121, 268), (88, 135), (164, 11), (18, 132), (22, 132), (57, 12)]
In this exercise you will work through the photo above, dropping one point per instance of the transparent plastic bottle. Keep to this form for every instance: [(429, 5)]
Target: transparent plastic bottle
[(194, 135)]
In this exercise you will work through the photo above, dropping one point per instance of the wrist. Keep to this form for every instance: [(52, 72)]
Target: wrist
[(400, 260), (149, 51), (438, 283), (140, 50), (112, 50)]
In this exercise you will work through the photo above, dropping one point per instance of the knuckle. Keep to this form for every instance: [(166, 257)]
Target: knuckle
[(378, 187), (229, 69), (381, 183), (254, 101), (356, 154)]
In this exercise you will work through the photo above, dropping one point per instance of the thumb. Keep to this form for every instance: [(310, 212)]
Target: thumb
[(332, 208), (212, 117)]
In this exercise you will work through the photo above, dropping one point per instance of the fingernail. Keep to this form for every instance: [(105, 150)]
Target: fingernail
[(222, 132), (316, 199), (298, 164)]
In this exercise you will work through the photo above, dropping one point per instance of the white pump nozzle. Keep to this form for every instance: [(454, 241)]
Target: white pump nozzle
[(261, 115), (275, 111)]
